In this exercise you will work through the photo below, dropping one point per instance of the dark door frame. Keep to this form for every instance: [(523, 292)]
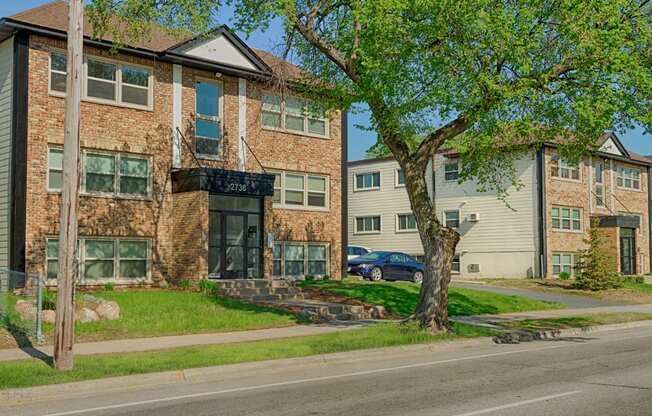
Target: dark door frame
[(632, 251)]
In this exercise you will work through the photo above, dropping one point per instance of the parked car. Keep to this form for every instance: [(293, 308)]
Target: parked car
[(356, 251), (387, 265)]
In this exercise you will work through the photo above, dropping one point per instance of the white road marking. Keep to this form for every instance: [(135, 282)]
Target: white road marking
[(516, 404), (299, 381)]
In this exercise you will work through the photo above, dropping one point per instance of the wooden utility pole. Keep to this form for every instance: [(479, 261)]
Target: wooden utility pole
[(64, 329)]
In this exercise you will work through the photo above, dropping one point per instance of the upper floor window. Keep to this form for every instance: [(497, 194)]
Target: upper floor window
[(368, 180), (406, 222), (629, 178), (567, 219), (116, 174), (106, 81), (400, 177), (452, 219), (451, 170), (599, 187), (294, 114), (55, 168), (300, 190), (559, 168), (370, 224), (455, 266), (208, 123)]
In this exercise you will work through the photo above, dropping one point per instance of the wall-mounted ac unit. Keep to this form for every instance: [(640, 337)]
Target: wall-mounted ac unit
[(474, 217), (473, 268)]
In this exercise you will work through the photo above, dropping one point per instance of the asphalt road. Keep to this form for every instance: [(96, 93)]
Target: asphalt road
[(607, 373)]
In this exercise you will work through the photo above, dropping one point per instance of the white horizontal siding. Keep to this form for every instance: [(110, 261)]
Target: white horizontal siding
[(6, 97)]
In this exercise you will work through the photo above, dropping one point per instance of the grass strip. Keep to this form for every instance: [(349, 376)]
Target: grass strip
[(580, 321)]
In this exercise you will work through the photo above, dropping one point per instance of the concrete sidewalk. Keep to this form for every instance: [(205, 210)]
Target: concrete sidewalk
[(161, 343)]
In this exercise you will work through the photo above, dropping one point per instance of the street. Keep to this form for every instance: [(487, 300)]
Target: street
[(605, 373)]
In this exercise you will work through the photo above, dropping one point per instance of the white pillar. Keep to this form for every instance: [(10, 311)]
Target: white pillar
[(177, 91), (242, 124)]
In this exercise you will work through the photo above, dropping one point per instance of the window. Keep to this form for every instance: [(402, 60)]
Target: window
[(559, 168), (131, 179), (52, 258), (294, 259), (106, 80), (629, 178), (294, 114), (369, 180), (564, 262), (566, 219), (406, 222), (455, 267), (452, 219), (451, 170), (599, 187), (208, 125), (370, 224), (99, 259), (132, 259), (55, 169), (300, 190), (400, 177)]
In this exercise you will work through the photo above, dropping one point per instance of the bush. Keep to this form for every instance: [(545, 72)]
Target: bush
[(597, 266), (49, 300), (564, 276), (634, 279), (184, 284), (309, 278), (207, 287), (326, 277), (109, 287)]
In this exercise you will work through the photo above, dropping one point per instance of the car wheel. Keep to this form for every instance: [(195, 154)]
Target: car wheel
[(417, 277), (376, 274)]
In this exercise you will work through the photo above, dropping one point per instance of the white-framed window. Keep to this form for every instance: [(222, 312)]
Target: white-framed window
[(406, 222), (367, 224), (452, 218), (566, 218), (564, 263), (400, 178), (55, 168), (300, 190), (560, 168), (116, 174), (451, 170), (599, 184), (105, 259), (297, 259), (455, 267), (106, 81), (294, 114), (208, 118), (628, 178), (367, 181)]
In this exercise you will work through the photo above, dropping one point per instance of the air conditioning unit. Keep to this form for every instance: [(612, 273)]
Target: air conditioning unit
[(473, 268), (474, 217)]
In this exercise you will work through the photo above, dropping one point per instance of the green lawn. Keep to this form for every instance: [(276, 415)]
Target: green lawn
[(27, 373), (150, 313), (400, 298), (580, 321)]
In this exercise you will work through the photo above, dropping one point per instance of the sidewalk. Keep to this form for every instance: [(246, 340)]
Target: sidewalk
[(160, 343)]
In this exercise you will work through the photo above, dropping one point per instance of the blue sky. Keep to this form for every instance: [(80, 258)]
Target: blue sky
[(359, 140)]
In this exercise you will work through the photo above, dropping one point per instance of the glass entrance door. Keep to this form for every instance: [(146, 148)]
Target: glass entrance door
[(235, 237), (627, 251)]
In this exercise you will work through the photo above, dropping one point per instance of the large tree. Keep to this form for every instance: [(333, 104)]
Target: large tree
[(491, 78)]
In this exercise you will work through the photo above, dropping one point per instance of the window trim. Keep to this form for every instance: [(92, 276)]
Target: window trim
[(283, 114), (561, 255), (304, 206), (450, 161), (355, 224), (406, 230), (555, 156), (396, 176), (220, 103), (563, 230), (306, 245), (459, 262), (371, 188), (81, 260), (118, 81), (117, 176), (459, 218), (619, 176)]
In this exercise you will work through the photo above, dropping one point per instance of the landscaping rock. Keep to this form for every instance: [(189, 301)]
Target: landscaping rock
[(26, 310), (108, 309), (85, 315), (163, 284), (49, 316)]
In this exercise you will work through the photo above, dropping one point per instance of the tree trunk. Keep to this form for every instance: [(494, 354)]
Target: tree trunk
[(65, 317)]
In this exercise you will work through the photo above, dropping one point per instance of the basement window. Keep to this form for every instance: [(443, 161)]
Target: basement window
[(295, 259)]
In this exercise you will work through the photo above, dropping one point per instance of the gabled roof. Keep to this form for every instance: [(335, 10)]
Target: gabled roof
[(611, 144)]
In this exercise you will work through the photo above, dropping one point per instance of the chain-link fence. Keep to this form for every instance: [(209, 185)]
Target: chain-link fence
[(21, 305)]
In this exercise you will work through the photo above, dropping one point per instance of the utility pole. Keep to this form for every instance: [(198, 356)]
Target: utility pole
[(64, 330)]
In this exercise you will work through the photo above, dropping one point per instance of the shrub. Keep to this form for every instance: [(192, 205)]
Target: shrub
[(634, 279), (184, 284), (49, 300), (564, 276), (326, 277), (109, 287), (309, 278), (207, 287), (596, 269)]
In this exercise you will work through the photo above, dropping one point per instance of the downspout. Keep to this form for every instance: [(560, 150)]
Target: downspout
[(345, 189), (541, 194)]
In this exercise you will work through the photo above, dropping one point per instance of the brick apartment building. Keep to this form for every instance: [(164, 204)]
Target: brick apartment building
[(195, 164)]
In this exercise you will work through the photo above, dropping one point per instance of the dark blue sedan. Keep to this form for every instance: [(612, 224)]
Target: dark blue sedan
[(387, 265)]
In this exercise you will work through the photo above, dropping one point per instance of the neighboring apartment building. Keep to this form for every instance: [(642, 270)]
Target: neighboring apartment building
[(193, 165), (537, 233)]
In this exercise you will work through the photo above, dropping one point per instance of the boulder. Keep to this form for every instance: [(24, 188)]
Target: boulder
[(49, 316), (108, 309), (26, 310), (85, 315)]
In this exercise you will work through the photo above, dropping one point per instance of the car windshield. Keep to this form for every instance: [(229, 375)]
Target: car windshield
[(373, 256)]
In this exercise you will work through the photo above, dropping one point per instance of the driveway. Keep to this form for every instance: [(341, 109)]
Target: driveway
[(572, 301)]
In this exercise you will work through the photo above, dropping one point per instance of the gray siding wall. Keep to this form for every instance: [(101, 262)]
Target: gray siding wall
[(6, 96)]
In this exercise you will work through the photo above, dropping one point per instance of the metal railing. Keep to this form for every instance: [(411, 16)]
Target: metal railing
[(21, 304)]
